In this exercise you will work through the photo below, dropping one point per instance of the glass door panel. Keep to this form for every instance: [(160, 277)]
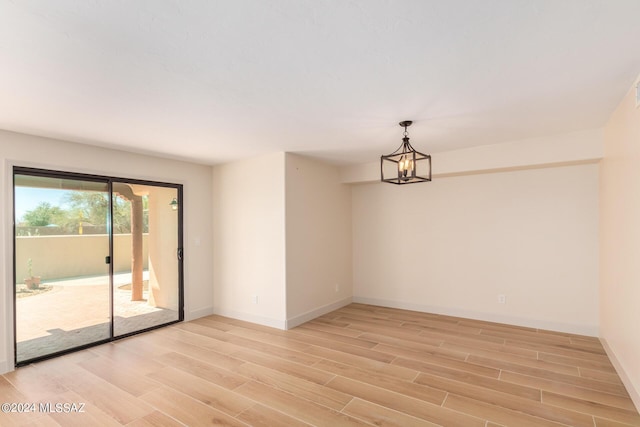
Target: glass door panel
[(62, 282), (145, 249)]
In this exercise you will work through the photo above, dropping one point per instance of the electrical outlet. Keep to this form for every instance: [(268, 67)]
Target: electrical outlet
[(254, 299), (502, 299), (337, 287)]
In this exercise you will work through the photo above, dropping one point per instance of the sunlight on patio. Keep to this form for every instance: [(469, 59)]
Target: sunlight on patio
[(74, 313)]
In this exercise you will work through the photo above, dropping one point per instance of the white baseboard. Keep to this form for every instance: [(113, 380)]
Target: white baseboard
[(195, 314), (316, 312), (248, 317), (633, 392), (589, 330)]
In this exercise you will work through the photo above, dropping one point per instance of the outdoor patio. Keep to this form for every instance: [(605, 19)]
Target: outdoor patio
[(76, 312)]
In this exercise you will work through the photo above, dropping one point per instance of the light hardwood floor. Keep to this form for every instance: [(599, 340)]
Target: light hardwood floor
[(360, 365)]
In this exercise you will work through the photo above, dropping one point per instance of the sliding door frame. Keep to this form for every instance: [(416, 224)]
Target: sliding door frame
[(109, 180)]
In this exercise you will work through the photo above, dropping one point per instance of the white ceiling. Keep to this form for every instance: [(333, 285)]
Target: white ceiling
[(212, 81)]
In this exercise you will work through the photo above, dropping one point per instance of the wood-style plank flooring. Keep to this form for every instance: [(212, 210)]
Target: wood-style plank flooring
[(357, 366)]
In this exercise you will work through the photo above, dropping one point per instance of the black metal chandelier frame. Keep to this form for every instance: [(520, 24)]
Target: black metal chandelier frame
[(406, 161)]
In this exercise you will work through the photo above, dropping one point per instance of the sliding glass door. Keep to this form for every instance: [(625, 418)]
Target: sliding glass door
[(146, 258), (96, 258), (62, 279)]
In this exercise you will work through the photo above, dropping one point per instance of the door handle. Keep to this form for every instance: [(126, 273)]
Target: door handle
[(180, 254), (107, 260)]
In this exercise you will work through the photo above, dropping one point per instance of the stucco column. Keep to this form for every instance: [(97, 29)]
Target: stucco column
[(137, 261), (137, 228)]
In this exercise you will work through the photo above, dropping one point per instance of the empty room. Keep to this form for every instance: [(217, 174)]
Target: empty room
[(320, 213)]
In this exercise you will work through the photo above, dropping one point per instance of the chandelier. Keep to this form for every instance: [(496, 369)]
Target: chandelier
[(405, 165)]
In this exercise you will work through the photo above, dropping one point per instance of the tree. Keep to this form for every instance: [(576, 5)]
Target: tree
[(92, 207), (85, 207), (88, 206), (44, 214)]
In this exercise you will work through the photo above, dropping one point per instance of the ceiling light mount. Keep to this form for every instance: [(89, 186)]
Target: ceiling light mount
[(405, 165)]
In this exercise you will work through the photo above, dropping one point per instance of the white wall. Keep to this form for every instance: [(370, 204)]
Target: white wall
[(318, 239), (249, 240), (453, 245), (620, 243), (25, 150)]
